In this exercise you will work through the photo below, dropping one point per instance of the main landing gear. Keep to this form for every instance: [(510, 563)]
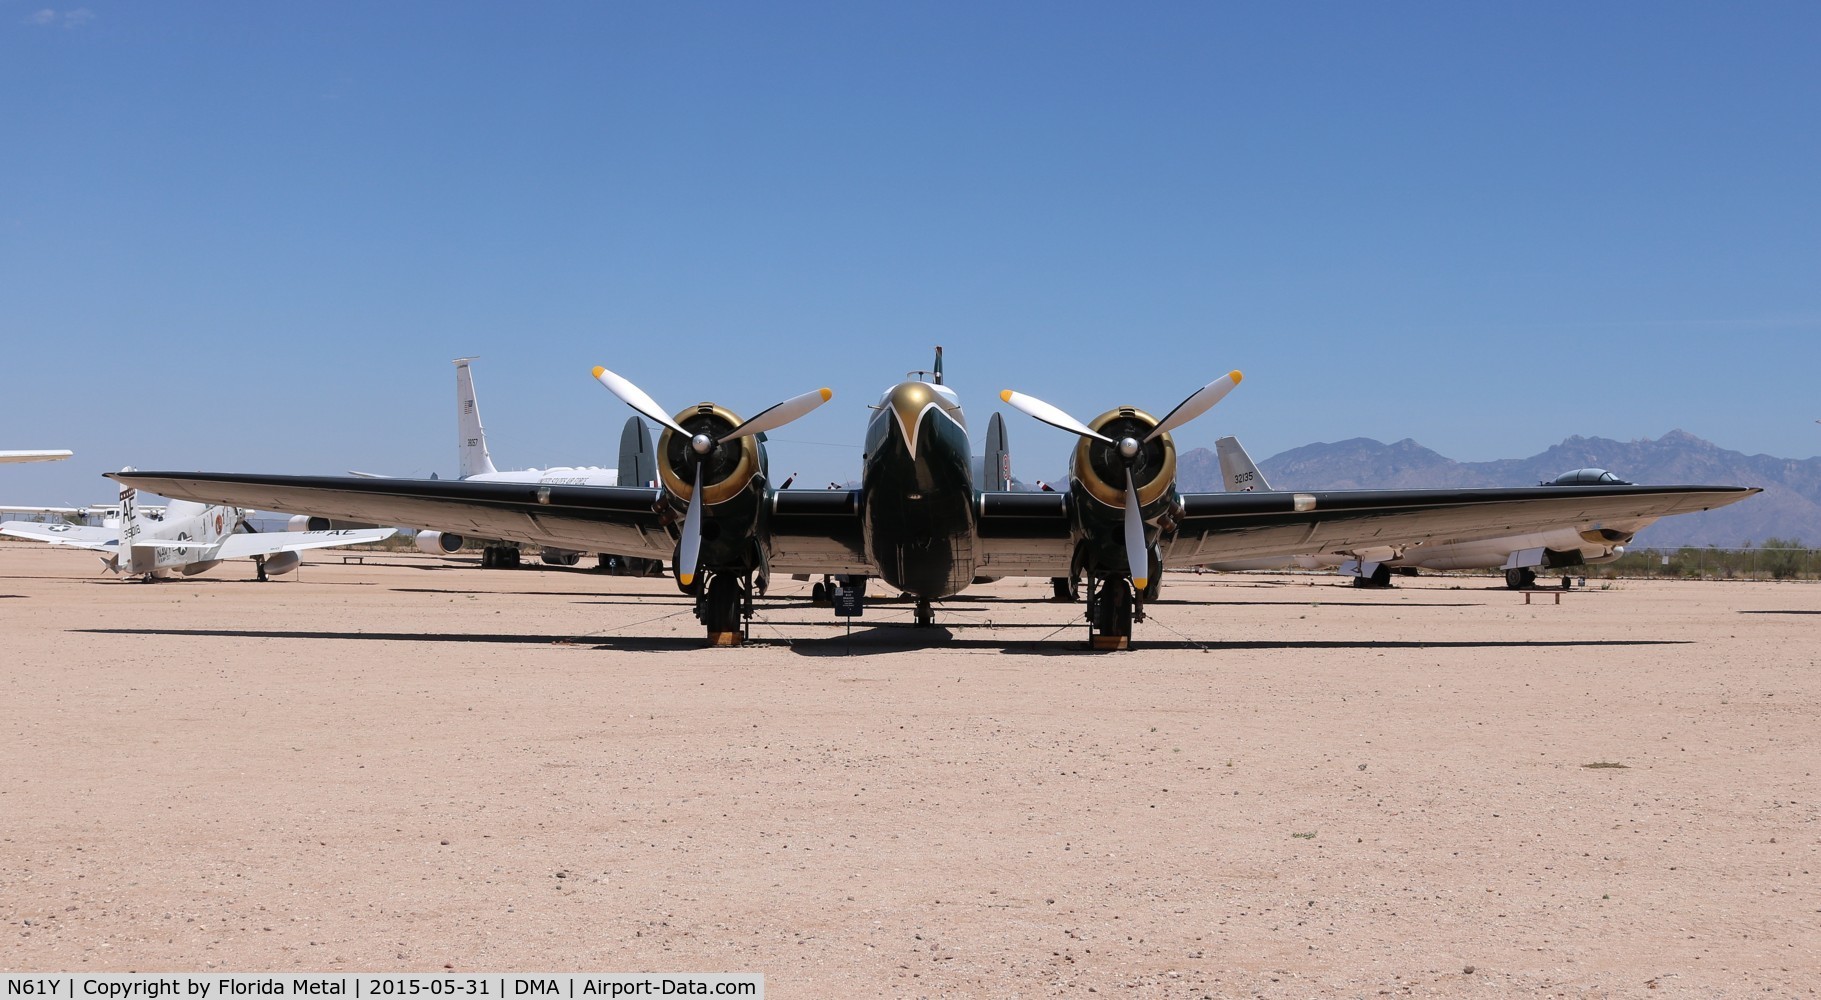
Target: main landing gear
[(500, 557), (1518, 579), (1379, 578), (259, 569), (1112, 608), (724, 606)]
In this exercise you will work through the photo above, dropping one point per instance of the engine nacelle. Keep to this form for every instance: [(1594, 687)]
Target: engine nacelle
[(280, 563), (191, 569), (439, 543), (307, 522), (1100, 471), (726, 471), (560, 557), (732, 474)]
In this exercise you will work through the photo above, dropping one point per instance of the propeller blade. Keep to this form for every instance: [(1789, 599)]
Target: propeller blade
[(1137, 558), (781, 414), (1197, 404), (1055, 417), (691, 547), (636, 398)]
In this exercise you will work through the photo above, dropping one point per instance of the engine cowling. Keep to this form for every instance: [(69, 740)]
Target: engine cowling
[(438, 543), (560, 557), (282, 562), (307, 522), (1099, 470), (726, 471)]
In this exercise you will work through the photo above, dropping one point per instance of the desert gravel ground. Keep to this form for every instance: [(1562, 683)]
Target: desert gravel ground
[(1290, 787)]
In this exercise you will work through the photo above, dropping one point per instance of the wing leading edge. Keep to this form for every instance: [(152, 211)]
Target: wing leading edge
[(619, 520), (1217, 527)]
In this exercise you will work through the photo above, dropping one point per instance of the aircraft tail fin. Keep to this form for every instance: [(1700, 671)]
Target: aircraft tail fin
[(638, 463), (471, 438), (130, 523), (998, 456), (1236, 468)]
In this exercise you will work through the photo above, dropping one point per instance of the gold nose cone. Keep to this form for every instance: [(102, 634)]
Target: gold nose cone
[(908, 400)]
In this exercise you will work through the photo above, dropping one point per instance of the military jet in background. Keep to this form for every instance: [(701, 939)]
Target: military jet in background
[(918, 524), (474, 463), (187, 538)]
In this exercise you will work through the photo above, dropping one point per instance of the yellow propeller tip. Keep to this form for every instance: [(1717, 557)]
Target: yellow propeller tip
[(1005, 394), (598, 370), (686, 578), (827, 394), (1236, 377), (1139, 582)]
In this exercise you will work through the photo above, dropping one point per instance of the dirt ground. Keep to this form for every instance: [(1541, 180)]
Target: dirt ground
[(1290, 788)]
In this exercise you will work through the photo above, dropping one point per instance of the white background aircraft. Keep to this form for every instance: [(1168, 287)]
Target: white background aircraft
[(475, 465), (54, 455), (188, 538)]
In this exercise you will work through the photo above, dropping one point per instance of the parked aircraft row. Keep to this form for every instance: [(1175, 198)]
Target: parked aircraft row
[(920, 524)]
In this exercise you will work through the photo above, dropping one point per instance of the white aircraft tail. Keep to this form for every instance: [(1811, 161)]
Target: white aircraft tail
[(1236, 468), (471, 438)]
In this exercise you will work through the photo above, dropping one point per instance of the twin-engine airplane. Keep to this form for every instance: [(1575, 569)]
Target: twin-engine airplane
[(186, 538), (918, 524)]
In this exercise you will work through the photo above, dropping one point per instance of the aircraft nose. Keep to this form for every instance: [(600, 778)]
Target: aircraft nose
[(908, 401)]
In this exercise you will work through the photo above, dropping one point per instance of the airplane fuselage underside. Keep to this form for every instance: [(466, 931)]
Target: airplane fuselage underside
[(917, 500)]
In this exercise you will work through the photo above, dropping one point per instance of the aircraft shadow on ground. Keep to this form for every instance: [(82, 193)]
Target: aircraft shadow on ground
[(874, 640), (691, 641), (594, 597)]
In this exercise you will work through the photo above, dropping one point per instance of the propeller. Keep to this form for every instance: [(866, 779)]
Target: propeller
[(1137, 559), (690, 545)]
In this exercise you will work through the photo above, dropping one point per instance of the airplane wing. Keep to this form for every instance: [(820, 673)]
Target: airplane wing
[(81, 536), (1220, 527), (269, 542), (52, 455), (73, 511), (618, 520)]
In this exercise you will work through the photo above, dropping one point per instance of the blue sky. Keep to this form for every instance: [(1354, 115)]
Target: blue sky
[(249, 237)]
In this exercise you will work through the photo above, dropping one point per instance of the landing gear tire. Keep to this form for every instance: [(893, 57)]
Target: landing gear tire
[(259, 570), (1110, 626), (721, 610), (1518, 579), (926, 615), (1378, 579), (818, 595), (1065, 588)]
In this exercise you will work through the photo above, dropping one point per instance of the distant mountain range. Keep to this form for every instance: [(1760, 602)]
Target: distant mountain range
[(1789, 507)]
